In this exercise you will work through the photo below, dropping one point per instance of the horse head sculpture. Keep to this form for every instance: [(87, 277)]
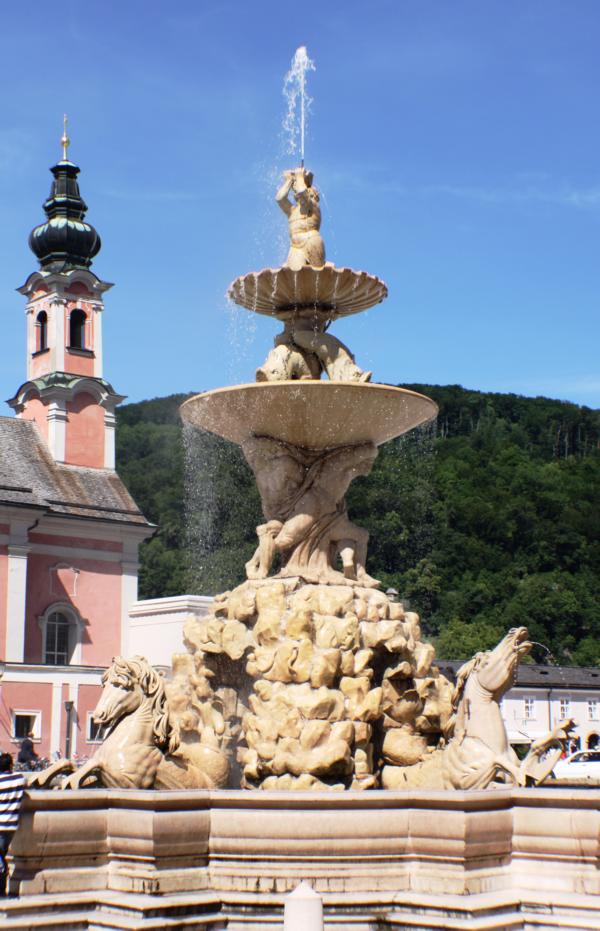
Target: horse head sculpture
[(477, 753), (483, 680), (127, 684), (142, 748)]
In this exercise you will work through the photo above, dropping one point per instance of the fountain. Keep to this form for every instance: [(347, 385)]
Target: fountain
[(327, 660), (306, 676)]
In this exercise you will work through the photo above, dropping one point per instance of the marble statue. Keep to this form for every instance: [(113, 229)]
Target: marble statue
[(304, 219), (145, 748), (478, 754), (307, 524), (304, 350)]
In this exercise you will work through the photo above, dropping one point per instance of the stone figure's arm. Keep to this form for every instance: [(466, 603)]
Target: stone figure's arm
[(259, 452), (360, 457), (341, 467), (299, 182), (282, 194)]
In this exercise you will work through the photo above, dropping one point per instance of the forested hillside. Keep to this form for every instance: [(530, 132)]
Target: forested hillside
[(488, 522)]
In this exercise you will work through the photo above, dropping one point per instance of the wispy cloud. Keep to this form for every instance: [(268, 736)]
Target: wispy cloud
[(581, 198), (214, 187), (15, 147), (529, 188)]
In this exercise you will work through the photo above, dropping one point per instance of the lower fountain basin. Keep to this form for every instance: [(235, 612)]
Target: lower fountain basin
[(511, 858), (311, 414), (328, 292)]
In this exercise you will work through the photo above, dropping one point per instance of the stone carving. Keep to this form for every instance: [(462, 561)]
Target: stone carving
[(307, 525), (149, 744), (335, 686), (304, 350), (315, 699), (478, 754), (329, 292), (304, 218)]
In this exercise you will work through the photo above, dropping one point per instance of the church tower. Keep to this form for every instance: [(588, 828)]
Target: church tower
[(65, 392)]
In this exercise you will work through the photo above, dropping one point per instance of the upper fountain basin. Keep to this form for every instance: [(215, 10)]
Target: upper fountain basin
[(310, 414), (329, 291)]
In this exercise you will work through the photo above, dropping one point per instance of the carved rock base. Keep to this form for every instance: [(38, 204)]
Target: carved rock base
[(321, 684)]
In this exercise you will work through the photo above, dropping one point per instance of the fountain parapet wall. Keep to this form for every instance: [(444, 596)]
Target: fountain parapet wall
[(509, 859)]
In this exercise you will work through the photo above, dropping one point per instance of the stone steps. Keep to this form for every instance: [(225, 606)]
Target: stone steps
[(105, 911), (109, 911)]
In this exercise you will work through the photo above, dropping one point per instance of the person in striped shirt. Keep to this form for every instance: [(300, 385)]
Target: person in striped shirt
[(12, 786)]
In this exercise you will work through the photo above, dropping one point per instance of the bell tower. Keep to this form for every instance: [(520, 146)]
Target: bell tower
[(65, 392)]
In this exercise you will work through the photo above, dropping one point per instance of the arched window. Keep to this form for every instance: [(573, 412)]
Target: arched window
[(61, 629), (77, 329), (42, 331), (57, 640)]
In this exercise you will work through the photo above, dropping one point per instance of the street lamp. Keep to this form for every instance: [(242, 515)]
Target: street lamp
[(69, 709)]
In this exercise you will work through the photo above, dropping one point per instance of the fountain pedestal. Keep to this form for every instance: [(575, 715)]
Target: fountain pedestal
[(325, 676)]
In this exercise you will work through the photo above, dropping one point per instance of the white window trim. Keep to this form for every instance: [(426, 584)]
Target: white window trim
[(564, 708), (529, 700), (77, 625), (37, 728), (88, 739)]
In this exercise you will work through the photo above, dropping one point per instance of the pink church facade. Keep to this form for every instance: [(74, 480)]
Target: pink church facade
[(69, 530)]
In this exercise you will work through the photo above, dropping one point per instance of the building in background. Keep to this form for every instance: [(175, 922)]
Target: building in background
[(69, 530), (544, 695), (156, 626)]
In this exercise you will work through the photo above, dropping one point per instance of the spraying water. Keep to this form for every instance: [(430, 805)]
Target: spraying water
[(298, 101)]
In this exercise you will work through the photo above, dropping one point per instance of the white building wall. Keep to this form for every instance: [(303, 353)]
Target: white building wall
[(156, 625), (532, 712)]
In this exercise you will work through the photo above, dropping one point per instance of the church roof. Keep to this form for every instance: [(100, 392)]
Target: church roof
[(29, 477)]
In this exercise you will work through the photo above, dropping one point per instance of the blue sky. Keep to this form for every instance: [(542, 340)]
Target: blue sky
[(457, 146)]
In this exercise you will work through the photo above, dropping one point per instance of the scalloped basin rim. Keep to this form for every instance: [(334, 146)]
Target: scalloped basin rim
[(311, 414), (328, 290)]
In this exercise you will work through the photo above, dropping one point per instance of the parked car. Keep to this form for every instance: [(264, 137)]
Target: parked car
[(585, 764)]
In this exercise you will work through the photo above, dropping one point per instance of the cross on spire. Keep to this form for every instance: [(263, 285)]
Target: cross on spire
[(65, 141)]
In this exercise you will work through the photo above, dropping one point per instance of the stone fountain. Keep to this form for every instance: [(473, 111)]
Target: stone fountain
[(307, 677), (327, 671)]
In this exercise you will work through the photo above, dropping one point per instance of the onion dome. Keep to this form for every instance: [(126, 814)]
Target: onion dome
[(65, 240)]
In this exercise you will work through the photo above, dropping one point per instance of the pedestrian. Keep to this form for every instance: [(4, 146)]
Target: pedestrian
[(27, 754), (12, 786)]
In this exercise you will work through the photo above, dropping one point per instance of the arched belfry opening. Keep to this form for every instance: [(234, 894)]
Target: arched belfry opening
[(77, 321), (41, 343)]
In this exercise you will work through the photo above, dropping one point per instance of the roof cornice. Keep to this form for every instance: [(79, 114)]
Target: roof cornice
[(62, 279)]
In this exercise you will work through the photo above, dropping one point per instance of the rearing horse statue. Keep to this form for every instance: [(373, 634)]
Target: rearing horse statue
[(142, 749), (478, 754)]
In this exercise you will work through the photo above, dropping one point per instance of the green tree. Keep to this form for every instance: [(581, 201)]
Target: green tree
[(490, 522)]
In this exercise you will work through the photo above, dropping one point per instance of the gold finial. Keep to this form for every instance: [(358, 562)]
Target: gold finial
[(65, 141)]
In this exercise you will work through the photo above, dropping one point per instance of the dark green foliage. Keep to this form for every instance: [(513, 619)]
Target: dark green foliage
[(493, 522)]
